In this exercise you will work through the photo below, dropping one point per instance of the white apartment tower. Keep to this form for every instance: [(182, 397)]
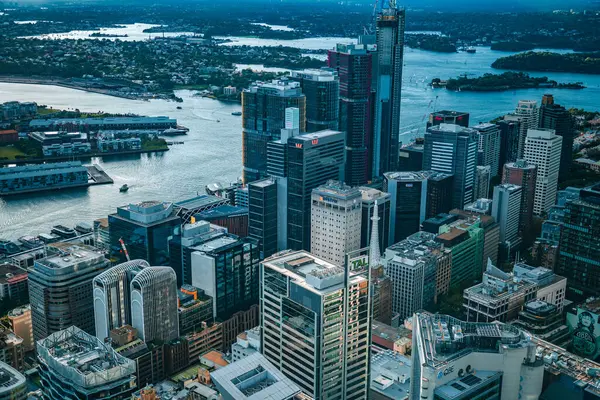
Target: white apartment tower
[(336, 216), (543, 148)]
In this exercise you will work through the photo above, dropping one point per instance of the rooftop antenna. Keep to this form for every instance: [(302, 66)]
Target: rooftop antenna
[(374, 251)]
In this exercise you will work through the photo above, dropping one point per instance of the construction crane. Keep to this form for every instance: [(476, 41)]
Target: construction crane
[(124, 249)]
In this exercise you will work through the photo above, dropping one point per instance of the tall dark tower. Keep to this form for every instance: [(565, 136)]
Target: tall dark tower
[(554, 116), (354, 66), (390, 57), (322, 90), (263, 117)]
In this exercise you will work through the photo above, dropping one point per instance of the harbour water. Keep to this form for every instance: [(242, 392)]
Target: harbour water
[(212, 150)]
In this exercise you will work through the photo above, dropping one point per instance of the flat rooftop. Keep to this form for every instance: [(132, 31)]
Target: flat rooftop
[(390, 374), (72, 255), (254, 378), (216, 244), (460, 387), (309, 271), (443, 338), (11, 273), (10, 379), (83, 358)]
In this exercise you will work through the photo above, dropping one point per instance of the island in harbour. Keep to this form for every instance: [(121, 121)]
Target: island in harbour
[(501, 82), (108, 35), (545, 61)]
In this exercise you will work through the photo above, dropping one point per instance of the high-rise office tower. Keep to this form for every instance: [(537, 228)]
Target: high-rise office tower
[(277, 168), (452, 149), (554, 116), (225, 267), (372, 198), (60, 289), (408, 203), (154, 304), (505, 210), (579, 257), (390, 27), (181, 247), (488, 147), (322, 90), (543, 148), (411, 157), (263, 117), (440, 187), (465, 239), (523, 174), (414, 197), (448, 117), (354, 66), (528, 114), (262, 215), (112, 299), (411, 268), (496, 361), (322, 345), (482, 182), (143, 230), (313, 159), (335, 224), (509, 141)]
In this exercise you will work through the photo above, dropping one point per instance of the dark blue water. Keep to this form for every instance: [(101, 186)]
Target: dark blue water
[(212, 150)]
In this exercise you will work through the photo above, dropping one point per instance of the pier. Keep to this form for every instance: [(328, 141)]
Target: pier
[(98, 176)]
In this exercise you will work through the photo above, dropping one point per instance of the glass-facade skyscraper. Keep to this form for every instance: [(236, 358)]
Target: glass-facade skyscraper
[(579, 248), (315, 323), (554, 116), (263, 117), (313, 159), (225, 267), (354, 66), (452, 149), (145, 229), (390, 58), (322, 90)]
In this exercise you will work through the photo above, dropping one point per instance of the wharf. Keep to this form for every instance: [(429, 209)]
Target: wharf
[(96, 176)]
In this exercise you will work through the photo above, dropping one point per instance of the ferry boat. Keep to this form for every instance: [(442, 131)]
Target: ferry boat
[(48, 238), (30, 242), (124, 188), (63, 231), (8, 247), (83, 227), (236, 113), (175, 131)]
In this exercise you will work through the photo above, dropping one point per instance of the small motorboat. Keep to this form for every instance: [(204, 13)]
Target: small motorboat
[(124, 188), (236, 113), (179, 108)]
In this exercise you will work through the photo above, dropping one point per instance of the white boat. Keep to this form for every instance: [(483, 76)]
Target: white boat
[(175, 131)]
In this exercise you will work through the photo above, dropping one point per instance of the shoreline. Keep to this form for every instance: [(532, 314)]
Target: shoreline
[(79, 157), (66, 84)]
